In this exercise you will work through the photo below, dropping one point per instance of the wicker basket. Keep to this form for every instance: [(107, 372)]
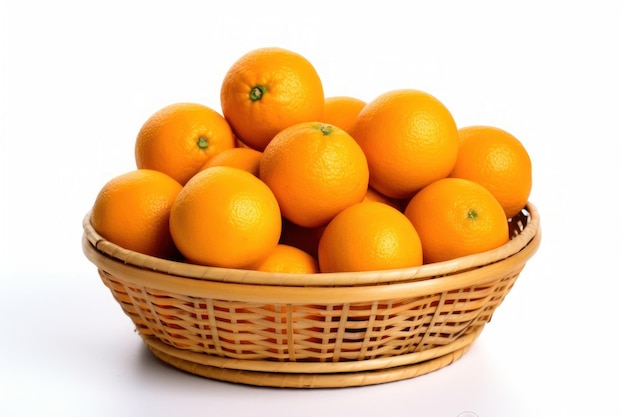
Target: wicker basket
[(319, 330)]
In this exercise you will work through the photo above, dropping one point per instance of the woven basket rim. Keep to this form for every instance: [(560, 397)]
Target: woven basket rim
[(530, 229)]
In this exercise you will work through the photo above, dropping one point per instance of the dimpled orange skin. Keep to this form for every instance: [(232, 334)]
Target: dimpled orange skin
[(132, 210), (456, 217), (315, 170), (288, 259), (267, 90), (180, 137), (410, 139), (369, 236), (247, 159), (497, 160), (341, 111), (225, 217), (373, 195)]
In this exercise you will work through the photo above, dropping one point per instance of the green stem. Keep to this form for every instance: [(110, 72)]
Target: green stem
[(257, 92), (325, 129), (202, 142)]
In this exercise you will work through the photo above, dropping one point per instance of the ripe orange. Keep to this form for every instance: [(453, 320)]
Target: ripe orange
[(132, 210), (288, 259), (247, 159), (225, 217), (497, 160), (315, 170), (341, 111), (267, 90), (369, 236), (455, 217), (410, 140), (179, 138), (373, 195)]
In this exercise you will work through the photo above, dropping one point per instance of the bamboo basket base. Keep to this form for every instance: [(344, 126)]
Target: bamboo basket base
[(299, 375)]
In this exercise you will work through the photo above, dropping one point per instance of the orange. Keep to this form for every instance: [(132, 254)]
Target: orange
[(315, 170), (225, 217), (179, 138), (497, 160), (247, 159), (341, 111), (455, 217), (369, 236), (132, 210), (373, 195), (410, 139), (267, 90), (288, 259)]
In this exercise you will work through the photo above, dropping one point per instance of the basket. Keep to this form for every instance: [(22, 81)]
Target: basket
[(312, 330)]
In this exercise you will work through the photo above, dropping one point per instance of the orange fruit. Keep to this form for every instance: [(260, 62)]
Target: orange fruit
[(341, 111), (267, 90), (179, 138), (497, 160), (132, 210), (247, 159), (410, 140), (315, 170), (288, 259), (455, 217), (373, 195), (369, 236), (225, 217)]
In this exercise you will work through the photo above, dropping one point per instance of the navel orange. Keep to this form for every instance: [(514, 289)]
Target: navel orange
[(456, 217), (267, 90), (132, 210), (497, 160), (180, 137), (225, 217), (410, 139), (315, 170), (369, 236)]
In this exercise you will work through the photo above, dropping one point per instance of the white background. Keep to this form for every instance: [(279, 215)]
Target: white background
[(79, 78)]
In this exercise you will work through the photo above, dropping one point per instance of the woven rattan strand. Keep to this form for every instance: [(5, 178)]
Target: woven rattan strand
[(312, 379), (319, 330)]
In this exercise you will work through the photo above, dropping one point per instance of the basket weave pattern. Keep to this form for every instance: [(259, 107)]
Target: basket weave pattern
[(323, 332), (327, 323)]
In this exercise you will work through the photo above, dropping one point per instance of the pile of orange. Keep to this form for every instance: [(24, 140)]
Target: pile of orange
[(286, 179)]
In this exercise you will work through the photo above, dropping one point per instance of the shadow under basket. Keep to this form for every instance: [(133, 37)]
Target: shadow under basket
[(312, 330)]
